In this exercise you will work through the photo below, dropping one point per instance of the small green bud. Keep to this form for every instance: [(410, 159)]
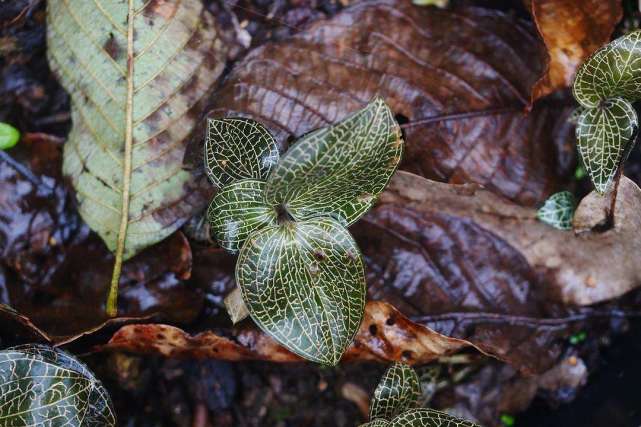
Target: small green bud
[(507, 420), (9, 136)]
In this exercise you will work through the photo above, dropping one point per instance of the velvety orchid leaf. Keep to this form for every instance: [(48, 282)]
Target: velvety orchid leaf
[(398, 391), (429, 418), (605, 135), (612, 71), (377, 423), (558, 210), (304, 285), (238, 149), (44, 386), (238, 210), (339, 170)]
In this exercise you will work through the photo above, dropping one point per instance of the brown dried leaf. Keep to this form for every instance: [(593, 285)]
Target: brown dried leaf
[(474, 266), (572, 30), (385, 335), (462, 92)]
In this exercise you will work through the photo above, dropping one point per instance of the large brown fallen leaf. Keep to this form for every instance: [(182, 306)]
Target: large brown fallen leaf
[(475, 266), (572, 268), (572, 30), (460, 95)]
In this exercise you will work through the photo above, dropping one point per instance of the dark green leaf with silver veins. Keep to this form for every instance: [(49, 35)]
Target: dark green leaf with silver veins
[(429, 418), (614, 71), (44, 386), (398, 391), (304, 284), (422, 418), (238, 210), (605, 136), (558, 210), (605, 86), (339, 171), (299, 270), (238, 149)]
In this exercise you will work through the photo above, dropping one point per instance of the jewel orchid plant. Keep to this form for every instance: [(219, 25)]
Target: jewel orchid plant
[(605, 87), (395, 403), (300, 274)]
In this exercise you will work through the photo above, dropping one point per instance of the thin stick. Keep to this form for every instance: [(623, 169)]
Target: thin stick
[(112, 300)]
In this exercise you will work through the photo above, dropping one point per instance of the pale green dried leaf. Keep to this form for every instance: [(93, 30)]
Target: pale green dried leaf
[(238, 149), (397, 391), (46, 387), (429, 418), (612, 71), (304, 285), (339, 170), (558, 210), (177, 56), (605, 135), (238, 210)]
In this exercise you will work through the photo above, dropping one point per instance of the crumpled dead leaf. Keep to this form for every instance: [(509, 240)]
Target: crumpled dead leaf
[(460, 95), (572, 30), (385, 335)]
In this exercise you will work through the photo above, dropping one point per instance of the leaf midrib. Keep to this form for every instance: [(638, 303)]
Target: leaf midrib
[(127, 160)]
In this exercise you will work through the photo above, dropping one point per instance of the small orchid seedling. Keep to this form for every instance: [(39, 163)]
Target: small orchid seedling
[(299, 272), (395, 403)]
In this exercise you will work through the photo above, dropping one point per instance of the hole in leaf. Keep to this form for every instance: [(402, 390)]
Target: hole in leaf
[(390, 321), (373, 329)]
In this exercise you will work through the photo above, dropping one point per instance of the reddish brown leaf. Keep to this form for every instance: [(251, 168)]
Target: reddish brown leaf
[(385, 335), (571, 30), (460, 95)]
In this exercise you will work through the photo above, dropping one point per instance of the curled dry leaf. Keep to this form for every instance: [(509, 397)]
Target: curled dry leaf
[(571, 30), (137, 75), (385, 335), (463, 115)]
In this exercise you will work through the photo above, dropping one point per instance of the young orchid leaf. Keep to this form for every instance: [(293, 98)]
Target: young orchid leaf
[(605, 135), (558, 210), (379, 422), (429, 418), (339, 171), (398, 391), (614, 71), (45, 386), (238, 149), (304, 285), (607, 124), (238, 210)]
